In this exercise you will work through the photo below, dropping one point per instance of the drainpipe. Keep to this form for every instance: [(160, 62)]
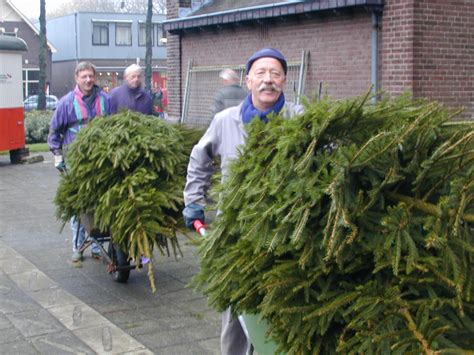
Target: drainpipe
[(374, 55)]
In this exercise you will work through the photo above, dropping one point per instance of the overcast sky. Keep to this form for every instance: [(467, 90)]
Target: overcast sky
[(31, 8)]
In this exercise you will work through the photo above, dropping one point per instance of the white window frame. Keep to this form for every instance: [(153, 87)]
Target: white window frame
[(161, 35), (126, 41), (27, 81), (101, 25), (142, 34)]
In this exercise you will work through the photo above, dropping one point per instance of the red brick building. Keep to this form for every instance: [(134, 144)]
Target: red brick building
[(14, 23), (425, 47)]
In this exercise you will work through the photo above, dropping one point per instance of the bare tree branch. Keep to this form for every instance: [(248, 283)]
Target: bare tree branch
[(129, 6), (148, 53)]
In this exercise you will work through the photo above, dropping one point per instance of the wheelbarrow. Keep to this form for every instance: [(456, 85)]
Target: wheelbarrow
[(117, 262)]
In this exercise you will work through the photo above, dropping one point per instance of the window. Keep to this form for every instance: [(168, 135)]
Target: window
[(100, 34), (161, 36), (30, 81), (123, 34), (142, 35)]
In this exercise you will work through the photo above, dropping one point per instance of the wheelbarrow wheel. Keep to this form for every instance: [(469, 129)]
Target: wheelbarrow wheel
[(120, 259)]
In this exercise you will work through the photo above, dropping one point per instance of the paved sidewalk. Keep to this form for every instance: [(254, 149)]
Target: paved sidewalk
[(49, 305)]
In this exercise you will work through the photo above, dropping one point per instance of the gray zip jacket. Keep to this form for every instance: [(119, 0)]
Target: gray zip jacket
[(223, 138)]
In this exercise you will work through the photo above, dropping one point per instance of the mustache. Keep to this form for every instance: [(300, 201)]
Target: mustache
[(271, 87)]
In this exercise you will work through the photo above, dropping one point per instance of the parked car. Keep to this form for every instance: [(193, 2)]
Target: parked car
[(31, 103)]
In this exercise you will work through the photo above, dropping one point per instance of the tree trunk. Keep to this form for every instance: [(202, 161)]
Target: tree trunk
[(148, 54), (43, 50)]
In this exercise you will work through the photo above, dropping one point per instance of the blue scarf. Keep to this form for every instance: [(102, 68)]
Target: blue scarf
[(249, 111)]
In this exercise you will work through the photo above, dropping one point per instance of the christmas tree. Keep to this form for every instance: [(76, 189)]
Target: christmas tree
[(128, 172), (350, 229)]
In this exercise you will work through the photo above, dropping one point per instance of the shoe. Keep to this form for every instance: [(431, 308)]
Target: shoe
[(96, 255), (76, 256)]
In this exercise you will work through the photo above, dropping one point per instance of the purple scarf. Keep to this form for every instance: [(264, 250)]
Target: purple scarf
[(82, 113), (249, 111)]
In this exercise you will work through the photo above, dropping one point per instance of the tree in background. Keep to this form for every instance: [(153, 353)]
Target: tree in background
[(125, 6), (148, 53), (159, 6), (43, 50)]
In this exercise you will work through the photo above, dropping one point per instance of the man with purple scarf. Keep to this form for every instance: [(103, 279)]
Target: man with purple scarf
[(266, 75), (74, 111)]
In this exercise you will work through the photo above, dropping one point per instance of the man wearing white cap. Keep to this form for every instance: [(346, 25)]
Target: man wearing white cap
[(266, 76)]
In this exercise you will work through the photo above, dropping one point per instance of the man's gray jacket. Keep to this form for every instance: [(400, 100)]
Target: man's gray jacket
[(223, 138)]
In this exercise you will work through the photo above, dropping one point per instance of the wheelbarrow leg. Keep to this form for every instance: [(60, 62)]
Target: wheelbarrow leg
[(100, 244)]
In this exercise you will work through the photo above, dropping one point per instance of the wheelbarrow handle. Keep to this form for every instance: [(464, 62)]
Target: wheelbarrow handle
[(200, 227)]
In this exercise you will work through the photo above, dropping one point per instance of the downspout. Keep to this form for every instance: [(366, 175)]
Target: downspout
[(375, 55)]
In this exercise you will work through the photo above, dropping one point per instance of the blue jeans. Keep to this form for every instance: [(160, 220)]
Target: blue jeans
[(81, 237)]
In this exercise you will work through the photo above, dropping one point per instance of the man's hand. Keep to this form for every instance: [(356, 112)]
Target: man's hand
[(191, 213), (59, 163)]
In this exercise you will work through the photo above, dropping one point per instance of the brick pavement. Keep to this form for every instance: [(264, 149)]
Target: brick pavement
[(49, 305)]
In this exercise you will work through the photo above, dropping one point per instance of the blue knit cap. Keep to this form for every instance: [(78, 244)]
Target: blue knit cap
[(266, 52)]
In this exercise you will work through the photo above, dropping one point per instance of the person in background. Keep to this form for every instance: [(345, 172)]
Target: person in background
[(265, 77), (158, 107), (74, 111), (130, 95), (231, 94)]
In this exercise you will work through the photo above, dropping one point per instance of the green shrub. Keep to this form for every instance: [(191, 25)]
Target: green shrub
[(37, 126)]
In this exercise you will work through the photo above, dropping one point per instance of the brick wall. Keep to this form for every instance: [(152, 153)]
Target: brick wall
[(339, 51), (444, 52), (396, 47), (426, 47)]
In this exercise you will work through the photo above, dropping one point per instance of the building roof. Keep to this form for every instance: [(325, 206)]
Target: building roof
[(226, 5), (227, 12), (30, 24)]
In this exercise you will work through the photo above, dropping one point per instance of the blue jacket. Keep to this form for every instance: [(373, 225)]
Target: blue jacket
[(65, 123)]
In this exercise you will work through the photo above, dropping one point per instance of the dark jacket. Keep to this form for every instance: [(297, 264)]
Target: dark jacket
[(228, 96), (123, 97)]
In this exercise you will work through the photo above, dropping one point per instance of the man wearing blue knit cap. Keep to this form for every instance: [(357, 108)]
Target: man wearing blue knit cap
[(266, 73)]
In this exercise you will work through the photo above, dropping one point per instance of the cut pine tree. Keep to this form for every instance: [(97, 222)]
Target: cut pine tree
[(128, 172), (349, 230)]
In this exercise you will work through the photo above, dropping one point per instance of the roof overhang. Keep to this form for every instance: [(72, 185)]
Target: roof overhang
[(30, 24), (105, 20), (266, 12)]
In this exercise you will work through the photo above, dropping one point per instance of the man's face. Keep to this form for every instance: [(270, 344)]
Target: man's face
[(85, 79), (265, 80), (134, 79)]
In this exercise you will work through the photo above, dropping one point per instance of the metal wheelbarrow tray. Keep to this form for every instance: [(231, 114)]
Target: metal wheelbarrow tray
[(117, 261)]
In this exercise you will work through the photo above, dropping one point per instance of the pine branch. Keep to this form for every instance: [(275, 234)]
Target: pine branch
[(413, 328), (426, 207)]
